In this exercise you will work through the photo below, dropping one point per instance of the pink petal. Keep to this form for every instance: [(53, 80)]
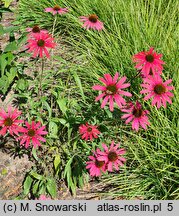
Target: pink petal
[(99, 87), (105, 101)]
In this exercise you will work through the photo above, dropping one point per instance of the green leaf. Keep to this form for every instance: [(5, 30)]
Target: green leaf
[(3, 64), (1, 30), (35, 187), (36, 175), (51, 187), (9, 57), (45, 104), (22, 39), (12, 74), (42, 188), (60, 59), (3, 10), (7, 3), (62, 121), (27, 184), (34, 153), (53, 129), (78, 82), (4, 83), (21, 84), (56, 162), (11, 47), (62, 104), (10, 29)]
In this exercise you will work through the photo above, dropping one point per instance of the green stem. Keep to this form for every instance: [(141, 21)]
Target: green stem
[(53, 31), (138, 73), (40, 80), (54, 24)]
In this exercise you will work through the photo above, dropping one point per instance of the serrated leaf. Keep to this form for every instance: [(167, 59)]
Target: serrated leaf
[(27, 184)]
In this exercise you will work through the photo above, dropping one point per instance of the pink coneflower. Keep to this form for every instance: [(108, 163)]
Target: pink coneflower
[(57, 9), (92, 22), (148, 62), (40, 43), (33, 133), (137, 115), (9, 121), (158, 90), (112, 156), (35, 30), (88, 131), (95, 166), (43, 197), (112, 91)]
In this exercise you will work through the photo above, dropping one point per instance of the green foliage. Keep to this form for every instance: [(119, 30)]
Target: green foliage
[(151, 171), (9, 68), (36, 184), (8, 73), (7, 3), (74, 173)]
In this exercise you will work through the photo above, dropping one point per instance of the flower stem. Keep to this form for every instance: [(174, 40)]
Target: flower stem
[(54, 24), (138, 73), (53, 31), (40, 80)]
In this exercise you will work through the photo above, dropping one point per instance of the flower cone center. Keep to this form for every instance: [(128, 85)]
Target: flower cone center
[(93, 18), (8, 122), (159, 89), (111, 89), (56, 7), (40, 43), (89, 129), (31, 132), (112, 156), (35, 29), (149, 58), (137, 113), (99, 164)]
